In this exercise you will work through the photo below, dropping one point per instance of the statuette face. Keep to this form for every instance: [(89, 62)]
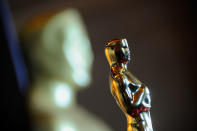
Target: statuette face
[(132, 96)]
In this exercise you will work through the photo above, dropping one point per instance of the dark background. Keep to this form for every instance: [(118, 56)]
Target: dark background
[(161, 36)]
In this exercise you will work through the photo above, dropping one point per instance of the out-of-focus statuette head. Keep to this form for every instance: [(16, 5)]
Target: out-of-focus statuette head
[(59, 46)]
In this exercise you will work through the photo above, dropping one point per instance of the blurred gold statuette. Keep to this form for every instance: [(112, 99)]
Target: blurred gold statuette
[(59, 56), (131, 95)]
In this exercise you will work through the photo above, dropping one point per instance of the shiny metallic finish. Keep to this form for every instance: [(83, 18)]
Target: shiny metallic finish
[(132, 96)]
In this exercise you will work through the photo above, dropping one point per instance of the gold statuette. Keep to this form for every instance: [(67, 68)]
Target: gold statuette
[(132, 96)]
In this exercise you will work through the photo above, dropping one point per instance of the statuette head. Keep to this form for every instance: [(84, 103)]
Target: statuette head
[(117, 51)]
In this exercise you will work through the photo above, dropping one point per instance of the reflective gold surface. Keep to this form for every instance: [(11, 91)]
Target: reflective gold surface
[(131, 95)]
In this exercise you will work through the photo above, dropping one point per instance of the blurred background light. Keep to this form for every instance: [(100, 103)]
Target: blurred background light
[(67, 128), (62, 95), (81, 77)]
